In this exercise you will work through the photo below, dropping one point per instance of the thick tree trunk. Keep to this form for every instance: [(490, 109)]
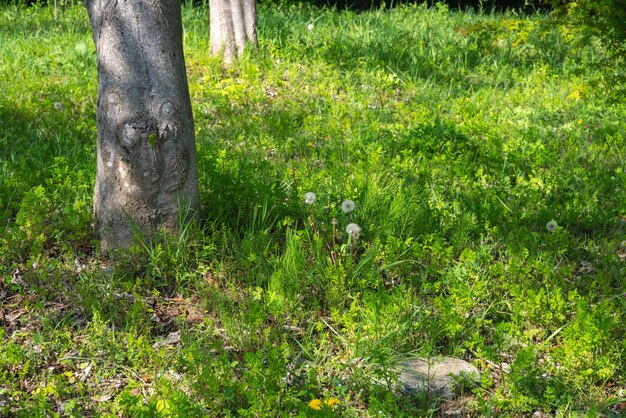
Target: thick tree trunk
[(146, 162), (232, 26)]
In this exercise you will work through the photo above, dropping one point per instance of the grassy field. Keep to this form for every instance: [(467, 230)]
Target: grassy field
[(489, 188)]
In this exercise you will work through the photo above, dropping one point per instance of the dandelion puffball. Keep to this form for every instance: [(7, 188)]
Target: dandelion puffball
[(551, 226), (81, 48), (309, 198), (348, 206), (310, 26), (353, 230)]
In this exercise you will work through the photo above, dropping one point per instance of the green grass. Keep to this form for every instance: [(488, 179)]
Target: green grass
[(458, 135)]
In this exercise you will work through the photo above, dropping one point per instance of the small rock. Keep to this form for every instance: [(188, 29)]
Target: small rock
[(441, 376), (108, 271)]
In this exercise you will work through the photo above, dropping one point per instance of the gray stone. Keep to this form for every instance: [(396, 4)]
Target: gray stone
[(443, 377)]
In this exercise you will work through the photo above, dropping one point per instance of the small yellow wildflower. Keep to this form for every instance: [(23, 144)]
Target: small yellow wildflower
[(315, 404), (333, 402), (578, 92)]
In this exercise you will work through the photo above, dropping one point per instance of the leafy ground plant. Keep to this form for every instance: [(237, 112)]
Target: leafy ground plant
[(393, 183)]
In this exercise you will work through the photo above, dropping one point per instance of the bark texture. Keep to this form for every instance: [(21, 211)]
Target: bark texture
[(146, 161), (232, 26)]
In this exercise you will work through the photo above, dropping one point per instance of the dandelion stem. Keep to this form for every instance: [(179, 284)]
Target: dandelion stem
[(313, 220), (332, 254)]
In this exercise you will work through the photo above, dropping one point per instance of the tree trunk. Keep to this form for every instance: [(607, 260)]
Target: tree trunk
[(146, 158), (233, 26)]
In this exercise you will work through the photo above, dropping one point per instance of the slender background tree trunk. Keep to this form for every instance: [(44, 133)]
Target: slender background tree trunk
[(146, 162), (232, 27)]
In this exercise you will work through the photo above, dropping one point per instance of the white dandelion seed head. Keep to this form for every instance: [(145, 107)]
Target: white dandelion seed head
[(310, 26), (309, 198), (353, 230), (348, 206), (551, 226), (81, 48), (58, 105)]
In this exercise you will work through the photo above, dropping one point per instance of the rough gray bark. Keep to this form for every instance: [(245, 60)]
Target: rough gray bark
[(232, 27), (146, 158)]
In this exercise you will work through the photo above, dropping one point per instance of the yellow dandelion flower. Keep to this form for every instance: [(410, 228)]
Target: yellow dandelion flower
[(315, 404), (333, 402)]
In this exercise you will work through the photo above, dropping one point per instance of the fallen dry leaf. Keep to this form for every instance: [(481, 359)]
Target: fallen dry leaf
[(101, 398), (171, 339)]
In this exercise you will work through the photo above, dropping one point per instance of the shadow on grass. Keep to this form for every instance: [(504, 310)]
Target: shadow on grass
[(31, 143), (444, 48), (242, 180)]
